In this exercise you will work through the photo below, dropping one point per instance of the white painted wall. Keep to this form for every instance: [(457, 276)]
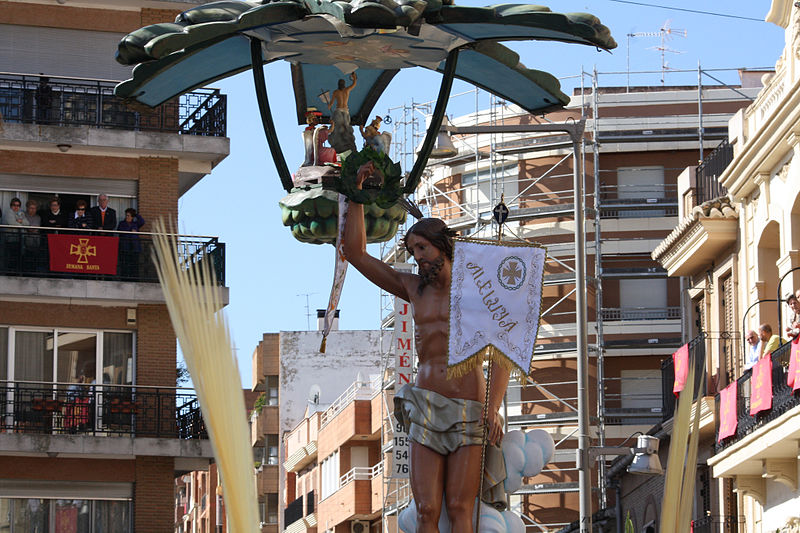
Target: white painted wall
[(302, 366)]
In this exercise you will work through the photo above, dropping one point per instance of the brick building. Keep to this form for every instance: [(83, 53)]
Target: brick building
[(299, 386), (92, 428)]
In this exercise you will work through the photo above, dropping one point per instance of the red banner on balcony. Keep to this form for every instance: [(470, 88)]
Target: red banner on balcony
[(793, 376), (727, 412), (83, 253), (761, 385), (680, 360)]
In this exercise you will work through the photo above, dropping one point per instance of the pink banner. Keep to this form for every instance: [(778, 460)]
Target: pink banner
[(681, 361), (761, 385), (793, 376), (727, 412)]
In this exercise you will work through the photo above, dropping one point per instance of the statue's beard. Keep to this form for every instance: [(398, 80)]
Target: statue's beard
[(430, 273)]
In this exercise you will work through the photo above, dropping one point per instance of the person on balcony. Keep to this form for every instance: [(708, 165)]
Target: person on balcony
[(769, 342), (33, 253), (81, 219), (12, 243), (793, 327), (130, 248), (753, 351), (54, 217), (104, 217)]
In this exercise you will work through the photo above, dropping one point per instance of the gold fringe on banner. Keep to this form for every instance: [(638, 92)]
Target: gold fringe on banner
[(487, 353)]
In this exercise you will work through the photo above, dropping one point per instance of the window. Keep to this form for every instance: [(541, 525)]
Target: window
[(272, 449), (272, 390), (505, 181), (272, 508), (23, 515), (39, 354), (330, 475)]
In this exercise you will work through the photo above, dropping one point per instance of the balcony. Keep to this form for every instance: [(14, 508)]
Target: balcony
[(262, 423), (626, 314), (301, 444), (267, 479), (61, 101), (783, 401), (156, 420), (638, 201), (351, 501), (697, 355), (298, 521), (72, 408), (708, 173), (28, 252)]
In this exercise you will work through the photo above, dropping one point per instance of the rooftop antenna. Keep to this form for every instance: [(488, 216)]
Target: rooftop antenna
[(665, 33), (308, 308)]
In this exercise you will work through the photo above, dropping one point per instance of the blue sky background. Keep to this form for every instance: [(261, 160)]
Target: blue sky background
[(269, 273)]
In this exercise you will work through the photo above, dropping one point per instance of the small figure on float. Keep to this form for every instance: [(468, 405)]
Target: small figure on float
[(341, 135), (314, 137), (373, 137)]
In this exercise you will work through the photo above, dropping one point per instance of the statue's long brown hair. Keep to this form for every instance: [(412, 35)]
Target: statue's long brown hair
[(440, 236), (434, 230)]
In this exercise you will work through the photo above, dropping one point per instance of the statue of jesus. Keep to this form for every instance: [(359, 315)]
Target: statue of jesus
[(443, 417)]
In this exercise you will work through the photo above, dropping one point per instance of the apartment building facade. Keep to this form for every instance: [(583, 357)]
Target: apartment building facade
[(738, 254), (93, 430), (299, 384)]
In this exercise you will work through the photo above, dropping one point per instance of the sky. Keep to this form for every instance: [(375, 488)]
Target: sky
[(275, 280)]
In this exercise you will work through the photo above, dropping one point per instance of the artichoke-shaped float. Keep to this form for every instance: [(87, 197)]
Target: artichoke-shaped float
[(327, 40)]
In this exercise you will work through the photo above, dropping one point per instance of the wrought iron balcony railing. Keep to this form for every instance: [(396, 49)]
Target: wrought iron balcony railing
[(84, 102), (30, 251), (697, 355), (783, 399), (100, 410), (709, 171), (718, 524)]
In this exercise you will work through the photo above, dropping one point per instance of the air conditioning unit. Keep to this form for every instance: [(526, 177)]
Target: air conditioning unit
[(359, 526)]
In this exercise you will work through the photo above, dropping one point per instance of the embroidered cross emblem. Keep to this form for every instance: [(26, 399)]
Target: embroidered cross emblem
[(511, 273), (83, 250)]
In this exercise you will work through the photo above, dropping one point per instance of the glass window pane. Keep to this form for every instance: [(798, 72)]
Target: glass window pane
[(33, 356), (31, 515), (77, 353), (3, 358), (118, 358), (112, 516), (73, 516), (5, 515)]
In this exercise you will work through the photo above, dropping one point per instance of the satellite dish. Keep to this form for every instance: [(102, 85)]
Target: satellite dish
[(314, 394)]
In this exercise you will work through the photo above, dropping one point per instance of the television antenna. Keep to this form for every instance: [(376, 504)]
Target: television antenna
[(308, 308), (665, 33)]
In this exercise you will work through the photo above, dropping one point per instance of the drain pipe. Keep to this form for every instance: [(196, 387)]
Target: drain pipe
[(618, 505)]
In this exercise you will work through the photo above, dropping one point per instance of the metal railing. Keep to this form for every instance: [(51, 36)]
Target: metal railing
[(100, 410), (640, 313), (293, 511), (718, 524), (783, 399), (359, 390), (709, 171), (697, 356), (62, 101), (25, 251), (361, 473)]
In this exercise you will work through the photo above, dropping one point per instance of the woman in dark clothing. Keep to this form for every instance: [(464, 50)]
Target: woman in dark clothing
[(81, 219), (130, 247)]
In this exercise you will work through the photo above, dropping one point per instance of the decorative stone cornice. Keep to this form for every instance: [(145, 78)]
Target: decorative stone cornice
[(690, 228)]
